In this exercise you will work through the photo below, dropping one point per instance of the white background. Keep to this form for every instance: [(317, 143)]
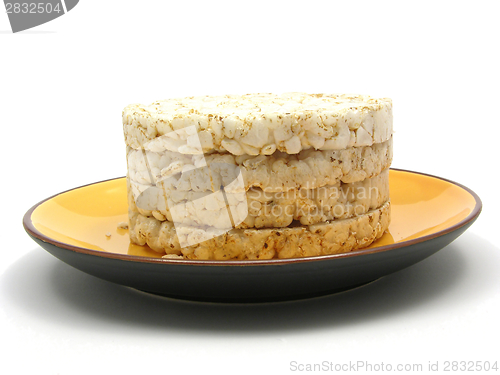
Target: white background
[(63, 86)]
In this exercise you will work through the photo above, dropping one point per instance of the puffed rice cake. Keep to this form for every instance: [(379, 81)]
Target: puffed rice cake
[(258, 176)]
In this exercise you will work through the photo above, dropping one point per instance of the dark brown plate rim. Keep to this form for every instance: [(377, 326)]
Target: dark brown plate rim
[(30, 228)]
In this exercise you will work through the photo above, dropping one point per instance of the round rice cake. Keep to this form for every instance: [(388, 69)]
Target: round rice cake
[(257, 208), (258, 124), (296, 241), (309, 169)]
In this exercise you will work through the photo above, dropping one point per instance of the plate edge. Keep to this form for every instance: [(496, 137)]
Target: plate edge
[(31, 230)]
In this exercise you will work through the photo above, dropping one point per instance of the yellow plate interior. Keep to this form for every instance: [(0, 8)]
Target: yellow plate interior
[(421, 205)]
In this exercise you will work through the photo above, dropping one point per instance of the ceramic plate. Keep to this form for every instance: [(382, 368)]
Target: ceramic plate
[(428, 213)]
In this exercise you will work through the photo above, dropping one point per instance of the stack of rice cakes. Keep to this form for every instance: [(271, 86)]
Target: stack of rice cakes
[(258, 176)]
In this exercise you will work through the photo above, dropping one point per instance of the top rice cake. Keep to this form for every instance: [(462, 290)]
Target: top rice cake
[(260, 124)]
